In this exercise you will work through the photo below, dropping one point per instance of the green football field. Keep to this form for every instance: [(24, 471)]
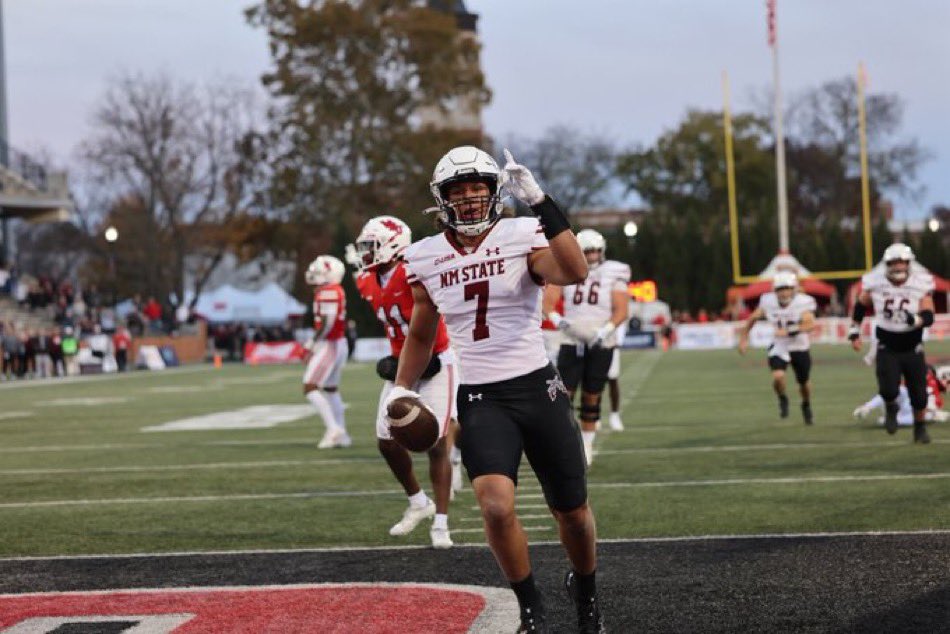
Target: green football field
[(704, 453)]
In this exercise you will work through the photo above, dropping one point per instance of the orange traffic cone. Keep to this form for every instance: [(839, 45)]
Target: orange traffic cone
[(217, 360)]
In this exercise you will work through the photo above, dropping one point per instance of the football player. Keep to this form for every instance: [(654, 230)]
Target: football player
[(613, 380), (792, 315), (902, 297), (381, 280), (484, 273), (593, 310), (905, 413), (326, 351)]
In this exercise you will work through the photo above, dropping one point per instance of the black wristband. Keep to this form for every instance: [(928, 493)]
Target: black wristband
[(859, 311), (553, 220), (927, 318)]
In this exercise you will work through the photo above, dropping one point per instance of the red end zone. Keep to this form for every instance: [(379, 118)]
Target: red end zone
[(315, 608)]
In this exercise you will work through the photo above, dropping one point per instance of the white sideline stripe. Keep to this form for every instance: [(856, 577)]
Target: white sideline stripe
[(383, 492), (188, 467), (22, 385), (347, 549), (8, 415), (210, 443), (481, 530)]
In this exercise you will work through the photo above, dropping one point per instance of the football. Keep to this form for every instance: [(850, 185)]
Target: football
[(412, 424)]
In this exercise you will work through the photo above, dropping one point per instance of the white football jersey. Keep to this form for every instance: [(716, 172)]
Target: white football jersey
[(489, 298), (589, 305), (784, 316), (892, 302)]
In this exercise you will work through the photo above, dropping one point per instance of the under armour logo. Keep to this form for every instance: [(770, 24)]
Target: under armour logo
[(472, 397), (556, 385), (488, 251)]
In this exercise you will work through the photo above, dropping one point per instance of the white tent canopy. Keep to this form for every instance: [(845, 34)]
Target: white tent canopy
[(270, 304)]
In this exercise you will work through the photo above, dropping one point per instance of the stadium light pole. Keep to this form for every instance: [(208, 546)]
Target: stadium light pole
[(111, 234)]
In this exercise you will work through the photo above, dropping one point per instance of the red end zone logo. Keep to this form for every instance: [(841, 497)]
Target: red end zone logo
[(337, 608)]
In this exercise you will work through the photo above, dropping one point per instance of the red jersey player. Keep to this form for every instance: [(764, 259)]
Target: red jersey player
[(327, 350), (381, 280)]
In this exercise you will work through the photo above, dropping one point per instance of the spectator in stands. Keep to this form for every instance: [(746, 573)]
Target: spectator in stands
[(41, 343), (56, 353), (9, 343), (153, 313), (702, 317), (122, 343), (70, 352), (27, 359), (4, 278)]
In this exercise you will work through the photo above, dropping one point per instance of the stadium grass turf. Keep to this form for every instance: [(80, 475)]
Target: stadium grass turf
[(704, 453)]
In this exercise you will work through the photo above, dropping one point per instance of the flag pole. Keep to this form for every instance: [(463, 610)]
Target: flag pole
[(779, 133), (865, 181)]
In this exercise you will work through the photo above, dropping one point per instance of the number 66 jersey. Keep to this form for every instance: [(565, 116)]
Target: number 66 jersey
[(488, 297)]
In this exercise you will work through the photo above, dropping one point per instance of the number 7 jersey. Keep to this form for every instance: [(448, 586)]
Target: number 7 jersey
[(488, 297)]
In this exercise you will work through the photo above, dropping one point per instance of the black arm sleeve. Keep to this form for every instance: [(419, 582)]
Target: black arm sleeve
[(859, 311), (552, 218), (927, 318)]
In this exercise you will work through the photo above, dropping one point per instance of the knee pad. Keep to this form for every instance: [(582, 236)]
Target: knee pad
[(590, 413)]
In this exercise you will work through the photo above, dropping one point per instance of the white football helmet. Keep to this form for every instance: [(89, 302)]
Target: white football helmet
[(898, 252), (785, 279), (382, 239), (467, 163), (590, 240), (943, 375), (326, 269)]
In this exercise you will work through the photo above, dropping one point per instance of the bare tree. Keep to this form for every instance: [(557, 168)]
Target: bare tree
[(179, 162), (578, 169)]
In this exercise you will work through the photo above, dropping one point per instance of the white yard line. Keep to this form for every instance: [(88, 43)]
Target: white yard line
[(344, 549), (187, 467), (764, 447), (521, 517), (387, 492)]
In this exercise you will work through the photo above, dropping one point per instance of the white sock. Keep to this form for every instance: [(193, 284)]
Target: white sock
[(455, 455), (418, 500), (588, 436), (320, 402), (441, 520), (336, 402)]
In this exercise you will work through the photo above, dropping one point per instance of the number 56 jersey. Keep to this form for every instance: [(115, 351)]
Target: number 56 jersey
[(893, 302), (488, 297)]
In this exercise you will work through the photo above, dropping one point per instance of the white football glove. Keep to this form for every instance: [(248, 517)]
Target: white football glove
[(558, 320), (603, 333), (400, 392), (862, 411), (521, 182), (351, 256)]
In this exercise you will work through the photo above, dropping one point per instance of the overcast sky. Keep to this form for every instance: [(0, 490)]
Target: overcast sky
[(627, 68)]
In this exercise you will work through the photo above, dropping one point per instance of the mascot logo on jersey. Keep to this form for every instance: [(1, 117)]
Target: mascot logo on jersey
[(556, 385)]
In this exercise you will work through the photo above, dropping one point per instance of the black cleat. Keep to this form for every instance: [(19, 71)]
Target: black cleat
[(806, 413), (589, 620), (890, 419), (532, 621), (920, 433), (783, 406)]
